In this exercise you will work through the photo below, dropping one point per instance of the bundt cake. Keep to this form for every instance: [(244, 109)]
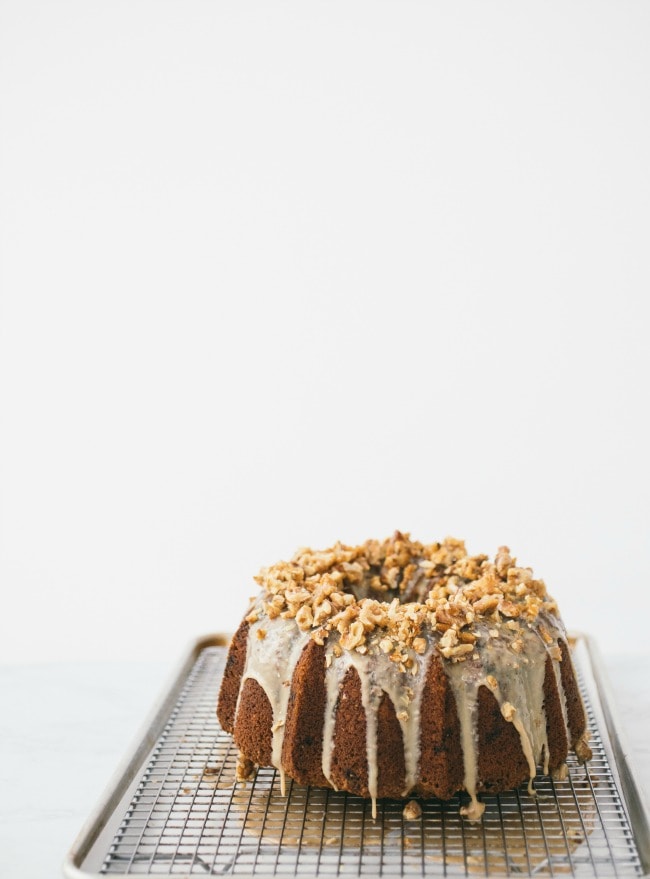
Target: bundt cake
[(396, 668)]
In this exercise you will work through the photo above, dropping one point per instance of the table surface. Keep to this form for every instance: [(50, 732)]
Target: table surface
[(65, 726)]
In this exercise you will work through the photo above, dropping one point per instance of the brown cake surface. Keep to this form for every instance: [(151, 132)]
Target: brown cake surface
[(397, 668)]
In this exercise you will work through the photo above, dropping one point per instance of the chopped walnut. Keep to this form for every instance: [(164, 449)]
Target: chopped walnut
[(582, 749), (457, 652), (304, 617), (387, 595), (509, 609), (244, 768), (353, 636), (546, 636), (503, 561), (322, 612), (486, 604), (372, 614), (412, 811), (319, 636), (449, 639), (467, 637)]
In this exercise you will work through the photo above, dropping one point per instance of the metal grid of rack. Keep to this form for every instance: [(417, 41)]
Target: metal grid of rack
[(189, 816)]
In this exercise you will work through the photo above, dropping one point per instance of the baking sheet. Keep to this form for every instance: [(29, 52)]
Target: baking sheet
[(173, 807)]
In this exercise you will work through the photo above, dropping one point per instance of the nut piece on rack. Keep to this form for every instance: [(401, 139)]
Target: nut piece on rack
[(245, 768), (412, 811)]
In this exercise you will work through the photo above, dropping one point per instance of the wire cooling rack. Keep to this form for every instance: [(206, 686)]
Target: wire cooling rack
[(188, 816)]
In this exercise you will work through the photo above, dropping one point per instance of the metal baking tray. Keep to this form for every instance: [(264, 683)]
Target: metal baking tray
[(173, 807)]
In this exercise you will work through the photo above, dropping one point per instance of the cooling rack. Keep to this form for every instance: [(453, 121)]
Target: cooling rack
[(174, 808)]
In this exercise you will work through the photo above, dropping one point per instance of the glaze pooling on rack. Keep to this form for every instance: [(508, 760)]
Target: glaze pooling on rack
[(514, 676)]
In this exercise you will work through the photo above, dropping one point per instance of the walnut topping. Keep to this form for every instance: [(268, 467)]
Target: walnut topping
[(305, 618), (546, 636), (386, 596), (448, 640), (322, 612), (486, 604), (509, 609), (319, 636), (466, 637), (352, 636), (508, 710)]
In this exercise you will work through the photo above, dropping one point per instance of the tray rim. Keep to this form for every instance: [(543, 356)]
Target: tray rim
[(634, 800)]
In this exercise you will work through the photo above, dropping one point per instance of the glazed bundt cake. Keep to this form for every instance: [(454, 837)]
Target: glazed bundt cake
[(396, 668)]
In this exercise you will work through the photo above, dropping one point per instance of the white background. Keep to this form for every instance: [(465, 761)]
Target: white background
[(275, 274)]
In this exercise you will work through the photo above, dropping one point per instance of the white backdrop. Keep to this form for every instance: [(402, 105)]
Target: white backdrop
[(274, 274)]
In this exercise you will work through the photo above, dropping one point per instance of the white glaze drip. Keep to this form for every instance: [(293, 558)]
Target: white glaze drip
[(371, 696), (464, 686), (411, 726), (378, 675), (523, 687), (519, 692), (333, 679), (271, 662), (563, 706)]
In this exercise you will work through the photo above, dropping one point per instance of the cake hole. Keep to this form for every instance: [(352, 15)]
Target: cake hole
[(380, 585)]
